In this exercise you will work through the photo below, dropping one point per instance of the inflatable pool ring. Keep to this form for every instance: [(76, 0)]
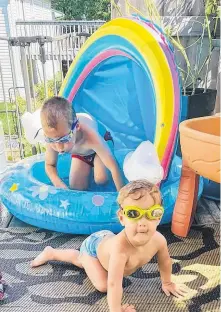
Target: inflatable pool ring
[(126, 77), (33, 200), (211, 190)]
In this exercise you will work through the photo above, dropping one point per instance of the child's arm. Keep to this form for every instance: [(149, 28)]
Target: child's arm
[(51, 157), (109, 161), (116, 267), (165, 267)]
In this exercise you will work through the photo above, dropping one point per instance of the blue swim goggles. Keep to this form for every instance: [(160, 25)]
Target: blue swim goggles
[(65, 139)]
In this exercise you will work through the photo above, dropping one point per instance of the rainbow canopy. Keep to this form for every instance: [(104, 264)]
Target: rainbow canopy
[(126, 77)]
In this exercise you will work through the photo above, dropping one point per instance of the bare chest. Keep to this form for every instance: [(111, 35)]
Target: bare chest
[(136, 261), (82, 150), (81, 146)]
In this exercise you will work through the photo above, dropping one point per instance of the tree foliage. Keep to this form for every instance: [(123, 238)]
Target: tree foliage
[(83, 9)]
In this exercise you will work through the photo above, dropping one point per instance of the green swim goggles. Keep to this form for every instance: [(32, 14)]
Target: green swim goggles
[(135, 213)]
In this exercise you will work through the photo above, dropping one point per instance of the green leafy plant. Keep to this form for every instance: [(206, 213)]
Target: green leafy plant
[(9, 116), (190, 75)]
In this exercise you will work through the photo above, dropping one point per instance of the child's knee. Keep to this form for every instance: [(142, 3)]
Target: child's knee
[(101, 286), (101, 179), (75, 184)]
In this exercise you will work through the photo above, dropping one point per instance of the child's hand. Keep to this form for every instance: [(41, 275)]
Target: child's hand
[(128, 308), (172, 288), (61, 185)]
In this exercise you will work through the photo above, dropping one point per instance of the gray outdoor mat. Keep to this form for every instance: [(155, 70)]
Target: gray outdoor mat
[(61, 287)]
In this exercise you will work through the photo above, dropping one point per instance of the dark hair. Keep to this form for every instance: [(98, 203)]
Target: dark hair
[(57, 108)]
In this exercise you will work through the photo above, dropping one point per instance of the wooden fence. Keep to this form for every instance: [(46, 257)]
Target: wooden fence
[(186, 18)]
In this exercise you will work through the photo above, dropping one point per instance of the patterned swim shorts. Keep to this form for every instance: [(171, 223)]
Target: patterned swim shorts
[(90, 244)]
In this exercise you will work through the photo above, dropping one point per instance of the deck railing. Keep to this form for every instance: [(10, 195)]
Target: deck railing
[(37, 61)]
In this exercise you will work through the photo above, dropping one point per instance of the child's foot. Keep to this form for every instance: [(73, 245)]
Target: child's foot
[(45, 256)]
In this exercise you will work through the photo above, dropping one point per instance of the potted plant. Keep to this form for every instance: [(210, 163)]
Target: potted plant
[(200, 101)]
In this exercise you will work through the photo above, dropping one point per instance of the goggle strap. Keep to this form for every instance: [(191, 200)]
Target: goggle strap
[(74, 124), (37, 133)]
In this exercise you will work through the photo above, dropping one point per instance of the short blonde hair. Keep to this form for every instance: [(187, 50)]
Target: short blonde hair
[(137, 189), (55, 109)]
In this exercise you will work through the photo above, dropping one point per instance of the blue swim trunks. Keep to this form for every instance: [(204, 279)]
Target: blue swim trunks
[(90, 244)]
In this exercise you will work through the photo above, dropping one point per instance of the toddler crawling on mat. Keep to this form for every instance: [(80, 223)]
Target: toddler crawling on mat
[(77, 134), (107, 258)]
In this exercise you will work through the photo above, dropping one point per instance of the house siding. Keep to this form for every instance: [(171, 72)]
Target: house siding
[(4, 53), (10, 12)]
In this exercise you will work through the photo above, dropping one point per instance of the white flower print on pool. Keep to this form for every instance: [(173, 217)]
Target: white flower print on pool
[(43, 191)]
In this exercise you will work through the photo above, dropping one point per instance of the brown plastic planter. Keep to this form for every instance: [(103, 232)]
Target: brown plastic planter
[(200, 145)]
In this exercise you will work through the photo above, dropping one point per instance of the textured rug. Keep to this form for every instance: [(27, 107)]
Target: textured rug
[(63, 287)]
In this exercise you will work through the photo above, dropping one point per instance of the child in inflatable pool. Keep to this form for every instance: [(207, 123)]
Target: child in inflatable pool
[(107, 257), (77, 134)]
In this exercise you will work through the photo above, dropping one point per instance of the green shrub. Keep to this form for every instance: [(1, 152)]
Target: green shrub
[(22, 107)]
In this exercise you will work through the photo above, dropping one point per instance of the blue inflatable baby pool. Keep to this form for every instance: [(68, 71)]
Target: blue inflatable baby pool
[(27, 193), (126, 77)]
